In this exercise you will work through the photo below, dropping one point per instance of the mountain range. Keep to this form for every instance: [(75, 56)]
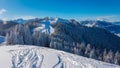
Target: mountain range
[(93, 39), (113, 27)]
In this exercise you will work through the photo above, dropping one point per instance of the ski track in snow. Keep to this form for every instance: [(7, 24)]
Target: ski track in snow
[(30, 58), (40, 57), (58, 63), (26, 58)]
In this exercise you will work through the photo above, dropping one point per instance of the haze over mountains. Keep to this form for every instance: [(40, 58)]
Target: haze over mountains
[(94, 39)]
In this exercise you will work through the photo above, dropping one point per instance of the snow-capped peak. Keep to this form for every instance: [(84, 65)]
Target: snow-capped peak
[(20, 20), (58, 20)]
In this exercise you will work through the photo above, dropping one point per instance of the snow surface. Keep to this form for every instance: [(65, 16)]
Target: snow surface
[(52, 30), (42, 29), (24, 56), (118, 34), (90, 25)]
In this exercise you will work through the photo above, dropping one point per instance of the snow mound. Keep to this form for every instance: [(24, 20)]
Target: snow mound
[(21, 56)]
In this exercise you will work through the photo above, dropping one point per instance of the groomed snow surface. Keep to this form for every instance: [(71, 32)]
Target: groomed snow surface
[(24, 56)]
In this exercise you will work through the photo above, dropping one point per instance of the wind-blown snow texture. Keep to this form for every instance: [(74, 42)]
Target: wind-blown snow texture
[(21, 56)]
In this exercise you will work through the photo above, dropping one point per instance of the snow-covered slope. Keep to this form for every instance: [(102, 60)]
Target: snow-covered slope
[(21, 56), (46, 25)]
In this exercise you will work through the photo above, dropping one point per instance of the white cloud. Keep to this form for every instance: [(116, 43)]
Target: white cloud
[(112, 18), (24, 17), (2, 11)]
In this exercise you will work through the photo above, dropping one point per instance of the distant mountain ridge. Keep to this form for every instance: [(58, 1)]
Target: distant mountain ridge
[(5, 26), (110, 26)]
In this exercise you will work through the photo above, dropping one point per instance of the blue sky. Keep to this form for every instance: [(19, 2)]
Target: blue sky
[(60, 8)]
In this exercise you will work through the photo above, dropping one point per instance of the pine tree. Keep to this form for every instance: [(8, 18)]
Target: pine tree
[(109, 57), (51, 43), (40, 39), (20, 34), (92, 54), (105, 55), (27, 35), (117, 58), (8, 39), (87, 50)]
